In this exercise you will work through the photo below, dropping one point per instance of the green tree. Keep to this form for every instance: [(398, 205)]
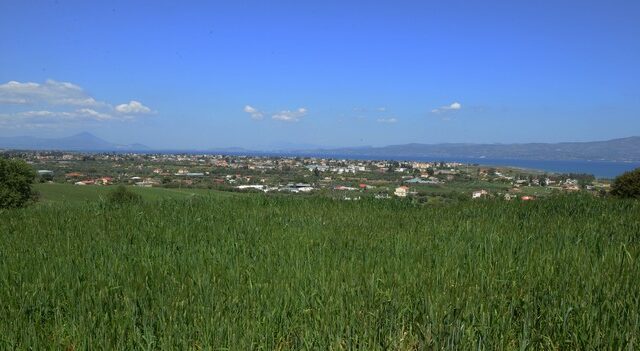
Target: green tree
[(16, 177), (627, 185)]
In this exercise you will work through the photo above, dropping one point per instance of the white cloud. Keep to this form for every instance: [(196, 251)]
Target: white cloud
[(133, 107), (290, 116), (50, 92), (381, 109), (284, 115), (60, 103), (254, 112), (452, 107), (388, 120)]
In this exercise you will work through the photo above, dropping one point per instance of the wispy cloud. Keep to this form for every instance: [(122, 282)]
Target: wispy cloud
[(254, 112), (452, 107), (76, 115), (367, 109), (48, 119), (50, 92), (290, 116), (387, 120), (54, 102)]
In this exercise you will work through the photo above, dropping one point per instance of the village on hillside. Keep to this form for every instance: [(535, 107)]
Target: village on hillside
[(340, 179)]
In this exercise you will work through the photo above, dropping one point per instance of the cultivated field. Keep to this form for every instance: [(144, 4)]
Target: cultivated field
[(259, 272)]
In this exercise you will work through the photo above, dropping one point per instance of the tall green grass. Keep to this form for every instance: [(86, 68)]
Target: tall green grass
[(258, 272)]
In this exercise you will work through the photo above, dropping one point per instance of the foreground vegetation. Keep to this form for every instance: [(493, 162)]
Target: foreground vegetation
[(627, 185), (16, 177), (257, 272)]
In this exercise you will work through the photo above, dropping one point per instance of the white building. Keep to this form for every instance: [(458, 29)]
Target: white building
[(478, 194), (401, 191)]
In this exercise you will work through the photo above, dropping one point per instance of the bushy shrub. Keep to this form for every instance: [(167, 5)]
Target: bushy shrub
[(122, 195), (627, 185), (16, 177)]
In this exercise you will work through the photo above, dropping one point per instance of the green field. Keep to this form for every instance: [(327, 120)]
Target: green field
[(68, 193), (260, 272)]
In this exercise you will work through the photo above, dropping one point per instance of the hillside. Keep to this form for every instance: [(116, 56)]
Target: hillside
[(79, 142), (625, 149)]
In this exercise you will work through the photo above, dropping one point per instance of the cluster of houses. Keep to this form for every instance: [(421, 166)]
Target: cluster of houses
[(480, 194), (285, 174), (80, 179), (290, 187), (352, 168)]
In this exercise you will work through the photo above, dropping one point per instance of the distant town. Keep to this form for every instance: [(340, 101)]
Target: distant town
[(337, 178)]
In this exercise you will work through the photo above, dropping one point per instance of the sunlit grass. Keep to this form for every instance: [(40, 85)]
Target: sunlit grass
[(258, 272)]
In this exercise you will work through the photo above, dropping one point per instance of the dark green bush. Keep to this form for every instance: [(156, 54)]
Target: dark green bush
[(627, 185), (16, 177), (122, 195)]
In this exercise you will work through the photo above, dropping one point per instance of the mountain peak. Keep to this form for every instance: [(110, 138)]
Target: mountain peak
[(84, 135)]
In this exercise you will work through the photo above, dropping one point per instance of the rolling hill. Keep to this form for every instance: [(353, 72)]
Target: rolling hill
[(624, 149), (79, 142)]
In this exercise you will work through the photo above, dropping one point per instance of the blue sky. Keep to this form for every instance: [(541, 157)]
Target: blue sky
[(263, 74)]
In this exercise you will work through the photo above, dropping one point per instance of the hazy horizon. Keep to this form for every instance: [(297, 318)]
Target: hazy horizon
[(86, 137), (257, 75)]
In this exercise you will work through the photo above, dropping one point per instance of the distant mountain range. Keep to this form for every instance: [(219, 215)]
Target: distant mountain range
[(625, 149), (79, 142)]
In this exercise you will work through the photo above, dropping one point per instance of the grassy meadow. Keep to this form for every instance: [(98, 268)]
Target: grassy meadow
[(217, 272), (69, 193)]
